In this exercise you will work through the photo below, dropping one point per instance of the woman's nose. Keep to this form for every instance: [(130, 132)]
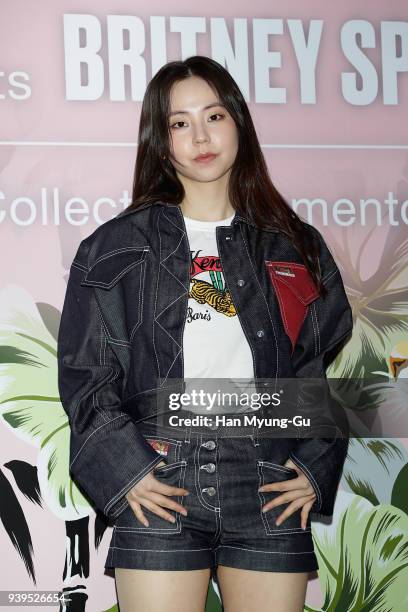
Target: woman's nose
[(201, 134)]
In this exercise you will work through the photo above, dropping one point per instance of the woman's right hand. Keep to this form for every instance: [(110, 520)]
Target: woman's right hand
[(154, 495)]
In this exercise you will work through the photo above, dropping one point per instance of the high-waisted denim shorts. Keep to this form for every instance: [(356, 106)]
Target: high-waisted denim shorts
[(222, 468)]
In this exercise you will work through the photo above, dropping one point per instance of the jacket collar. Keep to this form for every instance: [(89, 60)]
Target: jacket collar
[(238, 217)]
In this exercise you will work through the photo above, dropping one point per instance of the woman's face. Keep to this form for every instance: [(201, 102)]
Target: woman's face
[(200, 130)]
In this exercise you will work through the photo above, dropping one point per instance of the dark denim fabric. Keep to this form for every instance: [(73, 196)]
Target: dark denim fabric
[(222, 468), (120, 342)]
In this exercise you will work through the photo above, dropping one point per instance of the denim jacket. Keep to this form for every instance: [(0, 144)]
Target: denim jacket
[(122, 326)]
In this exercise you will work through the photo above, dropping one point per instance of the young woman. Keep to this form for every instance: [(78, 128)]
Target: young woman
[(208, 274)]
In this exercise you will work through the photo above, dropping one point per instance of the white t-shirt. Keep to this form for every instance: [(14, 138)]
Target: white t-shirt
[(214, 343)]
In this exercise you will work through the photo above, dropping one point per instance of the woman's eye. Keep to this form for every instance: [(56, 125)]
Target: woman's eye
[(172, 126), (177, 122)]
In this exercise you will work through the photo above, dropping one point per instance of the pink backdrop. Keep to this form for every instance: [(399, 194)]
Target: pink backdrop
[(329, 105)]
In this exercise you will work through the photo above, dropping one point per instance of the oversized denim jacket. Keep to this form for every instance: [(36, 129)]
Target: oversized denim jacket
[(121, 330)]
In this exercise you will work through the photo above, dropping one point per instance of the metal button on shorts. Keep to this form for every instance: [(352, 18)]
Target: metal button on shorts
[(222, 470)]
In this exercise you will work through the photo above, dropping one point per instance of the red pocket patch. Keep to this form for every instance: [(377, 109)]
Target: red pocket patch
[(160, 446), (295, 290)]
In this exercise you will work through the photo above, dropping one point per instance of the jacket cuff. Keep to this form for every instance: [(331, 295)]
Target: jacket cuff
[(322, 461), (110, 462)]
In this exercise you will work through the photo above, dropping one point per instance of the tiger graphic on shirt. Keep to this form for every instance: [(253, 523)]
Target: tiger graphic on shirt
[(214, 293)]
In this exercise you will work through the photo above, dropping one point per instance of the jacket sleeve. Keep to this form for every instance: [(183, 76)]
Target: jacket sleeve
[(327, 328), (108, 454)]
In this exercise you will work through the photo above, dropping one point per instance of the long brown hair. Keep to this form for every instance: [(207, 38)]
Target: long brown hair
[(250, 190)]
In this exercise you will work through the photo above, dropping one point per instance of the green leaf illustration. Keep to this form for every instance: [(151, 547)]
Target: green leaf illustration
[(363, 557), (29, 399)]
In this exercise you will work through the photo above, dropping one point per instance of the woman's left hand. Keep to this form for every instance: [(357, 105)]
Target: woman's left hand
[(299, 491)]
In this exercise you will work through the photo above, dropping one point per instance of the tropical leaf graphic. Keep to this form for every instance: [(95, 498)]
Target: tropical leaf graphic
[(29, 399), (372, 467), (15, 524), (363, 557), (379, 303)]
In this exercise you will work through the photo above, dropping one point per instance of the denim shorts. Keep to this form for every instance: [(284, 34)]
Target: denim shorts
[(222, 468)]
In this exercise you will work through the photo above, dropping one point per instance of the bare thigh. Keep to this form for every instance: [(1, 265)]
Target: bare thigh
[(150, 590), (242, 590)]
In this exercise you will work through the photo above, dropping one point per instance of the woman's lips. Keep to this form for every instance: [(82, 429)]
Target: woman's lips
[(206, 159)]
